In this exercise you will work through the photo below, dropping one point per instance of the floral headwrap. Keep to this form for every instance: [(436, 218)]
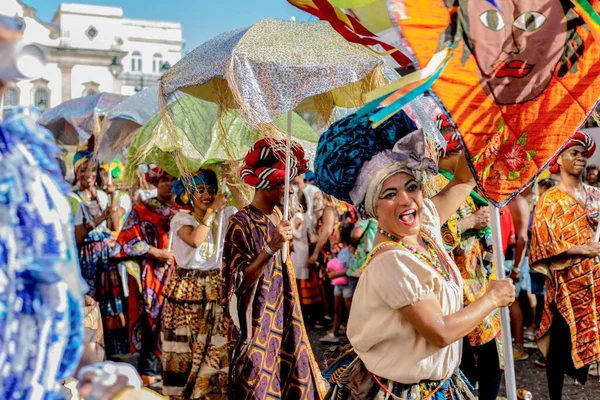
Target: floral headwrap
[(353, 160), (578, 139), (154, 174), (264, 165), (183, 190)]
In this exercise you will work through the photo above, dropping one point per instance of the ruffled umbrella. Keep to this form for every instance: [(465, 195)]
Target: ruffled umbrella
[(124, 119), (193, 137), (74, 122)]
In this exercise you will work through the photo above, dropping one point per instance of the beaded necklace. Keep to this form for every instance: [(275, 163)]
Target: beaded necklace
[(431, 258)]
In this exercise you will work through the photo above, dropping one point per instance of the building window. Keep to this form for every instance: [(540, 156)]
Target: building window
[(91, 32), (157, 63), (136, 61), (11, 100), (41, 99)]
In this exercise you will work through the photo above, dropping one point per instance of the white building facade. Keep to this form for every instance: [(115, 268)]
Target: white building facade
[(92, 49)]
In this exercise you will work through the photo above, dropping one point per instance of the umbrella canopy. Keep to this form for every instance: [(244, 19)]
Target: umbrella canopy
[(74, 121), (276, 66), (193, 137), (122, 120)]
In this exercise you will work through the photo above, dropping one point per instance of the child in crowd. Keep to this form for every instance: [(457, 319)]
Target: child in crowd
[(337, 269)]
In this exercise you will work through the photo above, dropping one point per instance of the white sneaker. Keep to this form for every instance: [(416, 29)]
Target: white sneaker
[(330, 338)]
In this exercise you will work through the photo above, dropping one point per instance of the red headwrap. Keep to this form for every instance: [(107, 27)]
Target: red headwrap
[(154, 174), (265, 163), (452, 141), (578, 139)]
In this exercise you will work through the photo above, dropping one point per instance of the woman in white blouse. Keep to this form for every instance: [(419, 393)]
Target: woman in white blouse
[(194, 354), (407, 318)]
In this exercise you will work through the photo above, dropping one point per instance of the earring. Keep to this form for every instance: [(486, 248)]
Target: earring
[(184, 198)]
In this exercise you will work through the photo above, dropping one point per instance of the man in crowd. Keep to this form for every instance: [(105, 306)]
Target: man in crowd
[(563, 248), (312, 194), (270, 354)]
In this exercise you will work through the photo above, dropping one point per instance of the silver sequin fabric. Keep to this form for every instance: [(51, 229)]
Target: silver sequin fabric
[(274, 65)]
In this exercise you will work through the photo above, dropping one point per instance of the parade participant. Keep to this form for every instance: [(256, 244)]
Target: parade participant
[(144, 239), (99, 214), (270, 354), (95, 218), (591, 175), (465, 240), (194, 328), (119, 196), (308, 282), (563, 248), (407, 318), (363, 235), (343, 290), (311, 193)]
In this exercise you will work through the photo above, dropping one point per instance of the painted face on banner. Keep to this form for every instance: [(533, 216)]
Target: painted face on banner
[(517, 46)]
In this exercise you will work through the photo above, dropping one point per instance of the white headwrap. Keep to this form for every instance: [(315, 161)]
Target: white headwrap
[(408, 155)]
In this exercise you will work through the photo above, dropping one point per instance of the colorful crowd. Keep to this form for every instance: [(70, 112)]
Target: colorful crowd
[(387, 251), (203, 290)]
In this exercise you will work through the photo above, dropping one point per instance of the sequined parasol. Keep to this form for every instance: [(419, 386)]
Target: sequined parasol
[(276, 66), (74, 121)]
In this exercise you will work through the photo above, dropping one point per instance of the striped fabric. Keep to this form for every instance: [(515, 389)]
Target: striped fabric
[(265, 163)]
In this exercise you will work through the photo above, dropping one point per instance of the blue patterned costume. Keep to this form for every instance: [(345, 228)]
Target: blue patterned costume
[(41, 290)]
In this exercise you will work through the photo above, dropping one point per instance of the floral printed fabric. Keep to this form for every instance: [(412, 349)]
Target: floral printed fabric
[(559, 223), (147, 225)]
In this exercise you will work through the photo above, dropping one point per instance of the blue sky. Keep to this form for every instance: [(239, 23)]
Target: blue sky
[(200, 19)]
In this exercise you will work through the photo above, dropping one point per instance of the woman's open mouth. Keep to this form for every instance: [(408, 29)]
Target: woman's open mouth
[(409, 217), (513, 69)]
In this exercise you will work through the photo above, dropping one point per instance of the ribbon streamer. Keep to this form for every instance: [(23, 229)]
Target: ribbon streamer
[(349, 27)]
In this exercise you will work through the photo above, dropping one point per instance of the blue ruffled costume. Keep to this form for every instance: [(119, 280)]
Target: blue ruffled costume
[(41, 290)]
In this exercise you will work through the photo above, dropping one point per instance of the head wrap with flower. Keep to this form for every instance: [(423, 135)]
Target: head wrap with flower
[(353, 160)]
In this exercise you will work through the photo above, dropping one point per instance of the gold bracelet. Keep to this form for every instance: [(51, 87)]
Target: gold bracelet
[(209, 218)]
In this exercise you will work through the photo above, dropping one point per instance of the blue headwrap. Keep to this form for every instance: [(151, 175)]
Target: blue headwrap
[(348, 144), (202, 177), (81, 157)]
